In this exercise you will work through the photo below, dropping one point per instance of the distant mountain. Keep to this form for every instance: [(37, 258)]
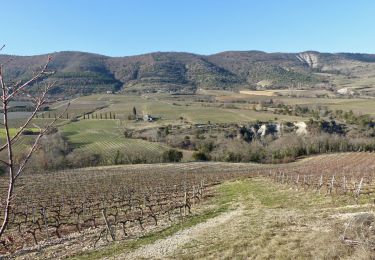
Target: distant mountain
[(75, 72), (79, 72)]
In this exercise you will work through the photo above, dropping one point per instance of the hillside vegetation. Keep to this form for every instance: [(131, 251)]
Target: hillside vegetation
[(78, 72)]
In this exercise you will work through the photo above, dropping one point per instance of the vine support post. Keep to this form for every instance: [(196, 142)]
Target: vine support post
[(320, 183), (297, 181), (185, 202), (193, 195), (45, 219), (332, 184), (358, 191), (108, 224)]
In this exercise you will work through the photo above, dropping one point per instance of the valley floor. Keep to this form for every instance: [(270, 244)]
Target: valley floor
[(258, 219)]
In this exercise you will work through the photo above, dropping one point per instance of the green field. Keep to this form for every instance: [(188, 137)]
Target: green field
[(228, 107), (105, 137), (13, 131), (170, 111)]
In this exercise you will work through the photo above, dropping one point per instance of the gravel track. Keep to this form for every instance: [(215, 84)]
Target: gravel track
[(162, 248)]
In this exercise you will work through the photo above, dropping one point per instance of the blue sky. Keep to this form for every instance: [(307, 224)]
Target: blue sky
[(122, 28)]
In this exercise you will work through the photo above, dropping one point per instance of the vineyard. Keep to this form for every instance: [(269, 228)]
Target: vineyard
[(118, 202), (129, 146), (351, 174), (23, 143), (115, 201), (105, 138)]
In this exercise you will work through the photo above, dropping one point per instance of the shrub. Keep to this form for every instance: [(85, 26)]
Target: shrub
[(172, 155), (29, 132), (77, 159), (233, 157), (201, 156)]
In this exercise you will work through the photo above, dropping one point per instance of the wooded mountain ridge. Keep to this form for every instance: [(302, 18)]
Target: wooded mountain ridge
[(84, 73)]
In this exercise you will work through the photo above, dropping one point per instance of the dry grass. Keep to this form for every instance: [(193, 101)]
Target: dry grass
[(258, 93), (276, 224), (267, 221)]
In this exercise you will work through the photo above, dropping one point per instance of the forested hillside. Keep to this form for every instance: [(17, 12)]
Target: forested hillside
[(83, 73)]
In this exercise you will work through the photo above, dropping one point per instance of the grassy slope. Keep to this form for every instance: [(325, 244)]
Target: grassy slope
[(277, 223), (105, 137), (14, 131)]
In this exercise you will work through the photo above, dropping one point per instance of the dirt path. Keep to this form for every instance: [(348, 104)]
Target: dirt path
[(165, 247), (65, 103)]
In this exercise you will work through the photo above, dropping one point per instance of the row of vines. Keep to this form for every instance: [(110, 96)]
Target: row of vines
[(120, 202), (113, 203)]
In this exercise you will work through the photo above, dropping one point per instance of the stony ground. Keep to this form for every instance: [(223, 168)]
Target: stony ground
[(166, 247)]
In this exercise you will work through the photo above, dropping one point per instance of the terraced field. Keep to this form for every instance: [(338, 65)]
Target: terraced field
[(105, 137), (23, 144)]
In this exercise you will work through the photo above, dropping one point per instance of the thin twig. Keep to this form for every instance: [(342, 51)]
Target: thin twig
[(30, 81), (36, 142)]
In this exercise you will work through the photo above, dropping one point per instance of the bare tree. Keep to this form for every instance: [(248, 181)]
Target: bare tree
[(10, 92)]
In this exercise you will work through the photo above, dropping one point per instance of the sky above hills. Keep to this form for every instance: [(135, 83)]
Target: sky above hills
[(122, 27)]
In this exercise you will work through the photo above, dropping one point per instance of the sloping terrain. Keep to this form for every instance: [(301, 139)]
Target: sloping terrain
[(75, 72), (251, 218), (78, 72), (236, 210)]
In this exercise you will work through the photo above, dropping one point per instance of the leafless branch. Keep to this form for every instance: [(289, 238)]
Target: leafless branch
[(4, 162), (39, 102), (36, 142), (7, 95), (30, 81)]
